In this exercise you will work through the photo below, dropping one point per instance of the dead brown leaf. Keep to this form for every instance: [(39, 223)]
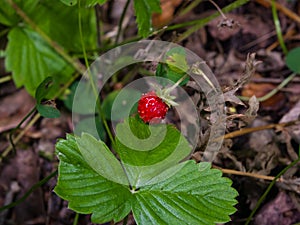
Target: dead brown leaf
[(13, 109), (261, 89)]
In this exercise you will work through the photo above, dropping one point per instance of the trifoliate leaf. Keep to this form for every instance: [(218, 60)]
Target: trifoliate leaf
[(86, 190), (187, 193), (31, 60), (143, 11)]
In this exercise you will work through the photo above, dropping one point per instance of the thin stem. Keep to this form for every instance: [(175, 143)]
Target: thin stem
[(262, 198), (13, 141), (66, 85), (99, 25), (197, 24), (9, 148), (190, 7), (177, 83), (278, 28), (274, 91), (92, 80), (278, 88), (132, 72), (27, 194), (121, 21), (218, 8), (289, 13), (5, 79), (11, 133), (75, 222), (259, 128), (246, 174), (83, 45), (201, 22)]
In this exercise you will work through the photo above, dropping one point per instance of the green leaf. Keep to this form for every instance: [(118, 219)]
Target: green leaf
[(195, 195), (176, 66), (189, 193), (43, 89), (86, 190), (139, 144), (60, 23), (87, 3), (100, 158), (146, 150), (31, 60), (176, 60), (292, 60), (143, 11), (8, 15), (120, 104), (48, 111), (167, 72)]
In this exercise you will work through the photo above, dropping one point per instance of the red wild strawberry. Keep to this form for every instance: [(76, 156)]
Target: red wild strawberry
[(152, 107)]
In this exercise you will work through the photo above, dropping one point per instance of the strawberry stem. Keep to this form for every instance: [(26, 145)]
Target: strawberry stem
[(164, 94), (177, 83)]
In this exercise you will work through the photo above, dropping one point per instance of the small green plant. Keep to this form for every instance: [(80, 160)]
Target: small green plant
[(148, 176), (173, 192)]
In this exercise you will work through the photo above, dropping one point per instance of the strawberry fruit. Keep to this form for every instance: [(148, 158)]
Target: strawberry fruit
[(152, 108)]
